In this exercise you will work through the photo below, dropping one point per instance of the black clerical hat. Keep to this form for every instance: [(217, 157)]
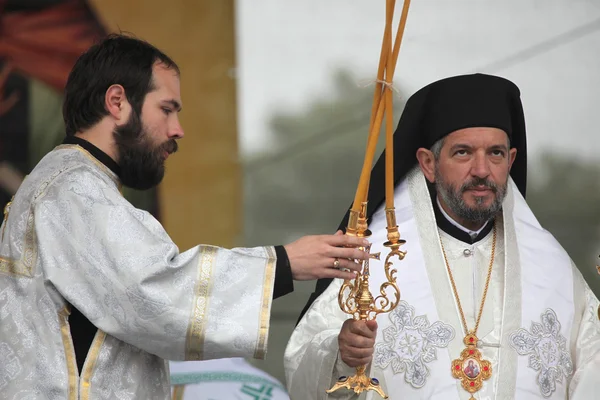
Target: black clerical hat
[(445, 106)]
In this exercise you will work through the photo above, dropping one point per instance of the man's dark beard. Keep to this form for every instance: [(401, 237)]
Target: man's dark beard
[(142, 165), (454, 198)]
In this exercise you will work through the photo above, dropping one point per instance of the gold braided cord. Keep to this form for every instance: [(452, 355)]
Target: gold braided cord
[(487, 284)]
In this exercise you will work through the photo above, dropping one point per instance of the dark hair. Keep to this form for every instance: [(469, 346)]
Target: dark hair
[(118, 59)]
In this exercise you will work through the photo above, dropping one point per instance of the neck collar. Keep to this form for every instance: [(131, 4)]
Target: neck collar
[(96, 152)]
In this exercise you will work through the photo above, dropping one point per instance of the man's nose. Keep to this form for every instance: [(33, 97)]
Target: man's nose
[(480, 167), (176, 131)]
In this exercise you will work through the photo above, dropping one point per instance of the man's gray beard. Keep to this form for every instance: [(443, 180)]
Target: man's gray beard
[(454, 200)]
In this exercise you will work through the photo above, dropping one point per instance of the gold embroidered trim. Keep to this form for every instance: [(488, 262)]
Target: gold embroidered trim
[(12, 267), (87, 154), (29, 256), (178, 392), (6, 211), (90, 364), (63, 317), (24, 266), (267, 297), (194, 344)]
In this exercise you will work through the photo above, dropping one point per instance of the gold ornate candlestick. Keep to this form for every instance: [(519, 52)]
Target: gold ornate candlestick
[(356, 299)]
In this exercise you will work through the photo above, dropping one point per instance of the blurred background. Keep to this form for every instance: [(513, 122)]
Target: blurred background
[(277, 99)]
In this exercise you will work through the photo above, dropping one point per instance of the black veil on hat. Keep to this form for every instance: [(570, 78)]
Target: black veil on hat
[(435, 111)]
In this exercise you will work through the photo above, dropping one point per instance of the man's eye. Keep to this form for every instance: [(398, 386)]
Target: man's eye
[(167, 110), (460, 153), (498, 153)]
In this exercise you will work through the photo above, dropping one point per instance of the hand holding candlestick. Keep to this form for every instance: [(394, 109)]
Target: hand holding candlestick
[(356, 299)]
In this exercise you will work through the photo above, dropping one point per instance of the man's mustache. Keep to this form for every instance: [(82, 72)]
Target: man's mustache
[(170, 147), (477, 183)]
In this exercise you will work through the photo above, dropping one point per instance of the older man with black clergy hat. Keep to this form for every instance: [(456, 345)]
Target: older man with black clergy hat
[(482, 284)]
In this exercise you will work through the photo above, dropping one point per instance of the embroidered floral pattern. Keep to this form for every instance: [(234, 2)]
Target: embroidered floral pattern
[(409, 343), (547, 351)]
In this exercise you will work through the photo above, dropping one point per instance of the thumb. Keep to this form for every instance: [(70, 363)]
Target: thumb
[(339, 233), (372, 325)]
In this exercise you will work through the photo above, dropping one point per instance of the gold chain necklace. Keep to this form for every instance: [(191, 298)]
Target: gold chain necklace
[(470, 368)]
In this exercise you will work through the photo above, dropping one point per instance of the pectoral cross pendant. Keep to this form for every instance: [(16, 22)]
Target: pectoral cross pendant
[(471, 368)]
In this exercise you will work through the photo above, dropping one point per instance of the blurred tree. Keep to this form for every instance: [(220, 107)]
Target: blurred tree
[(564, 194), (307, 186)]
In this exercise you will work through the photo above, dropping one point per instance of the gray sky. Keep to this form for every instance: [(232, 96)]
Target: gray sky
[(288, 50)]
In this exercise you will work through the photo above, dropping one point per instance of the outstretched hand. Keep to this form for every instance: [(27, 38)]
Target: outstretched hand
[(326, 256)]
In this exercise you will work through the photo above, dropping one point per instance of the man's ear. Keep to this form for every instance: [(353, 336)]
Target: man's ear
[(512, 155), (115, 102), (427, 163)]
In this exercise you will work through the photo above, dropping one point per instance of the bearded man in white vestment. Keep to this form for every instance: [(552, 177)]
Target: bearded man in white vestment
[(94, 295), (460, 171)]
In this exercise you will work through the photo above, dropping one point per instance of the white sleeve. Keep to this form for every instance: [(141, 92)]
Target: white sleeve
[(118, 267), (311, 357), (585, 383)]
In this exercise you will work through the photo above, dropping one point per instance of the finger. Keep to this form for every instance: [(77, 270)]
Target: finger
[(355, 352), (345, 240), (339, 233), (356, 362), (372, 325), (351, 265), (360, 328), (356, 341), (335, 273), (347, 253)]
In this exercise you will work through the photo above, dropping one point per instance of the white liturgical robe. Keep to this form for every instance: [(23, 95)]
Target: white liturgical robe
[(71, 239), (539, 327)]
